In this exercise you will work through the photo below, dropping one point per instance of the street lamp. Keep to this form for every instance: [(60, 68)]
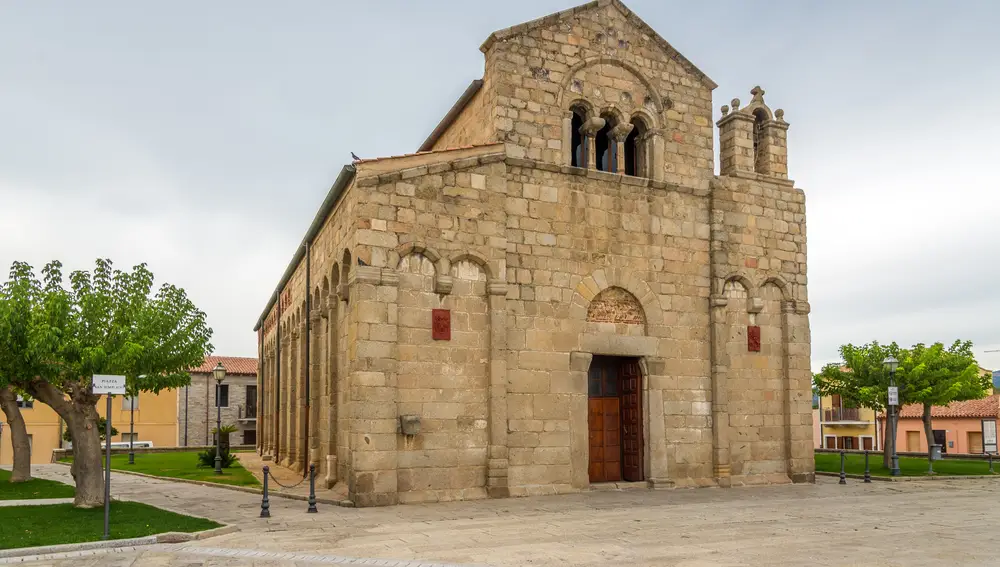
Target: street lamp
[(219, 372), (891, 364)]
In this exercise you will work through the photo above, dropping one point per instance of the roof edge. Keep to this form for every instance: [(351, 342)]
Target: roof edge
[(332, 198), (452, 114), (512, 31)]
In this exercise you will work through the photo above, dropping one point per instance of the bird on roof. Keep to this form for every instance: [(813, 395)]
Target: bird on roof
[(355, 156)]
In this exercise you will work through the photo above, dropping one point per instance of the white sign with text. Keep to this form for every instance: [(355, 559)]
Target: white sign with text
[(893, 395), (989, 436), (109, 384)]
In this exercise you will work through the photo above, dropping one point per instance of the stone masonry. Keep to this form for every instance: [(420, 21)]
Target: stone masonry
[(433, 337)]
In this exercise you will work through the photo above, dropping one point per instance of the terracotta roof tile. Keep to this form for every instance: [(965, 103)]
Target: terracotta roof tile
[(235, 365), (986, 407)]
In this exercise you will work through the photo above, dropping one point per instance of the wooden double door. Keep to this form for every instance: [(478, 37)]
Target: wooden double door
[(614, 416)]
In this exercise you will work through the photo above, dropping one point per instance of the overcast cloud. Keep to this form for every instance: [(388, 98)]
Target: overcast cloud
[(200, 137)]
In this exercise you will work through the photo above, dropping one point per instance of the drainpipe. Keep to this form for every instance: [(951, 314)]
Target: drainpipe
[(260, 391), (305, 437), (277, 385)]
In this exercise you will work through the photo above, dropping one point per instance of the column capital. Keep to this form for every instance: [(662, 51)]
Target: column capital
[(621, 131), (592, 125)]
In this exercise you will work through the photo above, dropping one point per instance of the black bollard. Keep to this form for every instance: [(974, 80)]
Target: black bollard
[(265, 504), (312, 489), (843, 474), (868, 473)]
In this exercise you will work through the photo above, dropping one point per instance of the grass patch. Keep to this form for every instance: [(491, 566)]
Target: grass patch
[(908, 466), (182, 465), (34, 488), (30, 526)]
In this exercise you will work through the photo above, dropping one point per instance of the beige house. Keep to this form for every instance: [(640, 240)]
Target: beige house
[(197, 411), (555, 291)]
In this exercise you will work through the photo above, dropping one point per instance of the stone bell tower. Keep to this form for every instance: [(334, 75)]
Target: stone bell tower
[(753, 139)]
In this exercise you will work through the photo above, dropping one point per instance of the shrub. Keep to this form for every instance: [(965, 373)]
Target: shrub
[(207, 458)]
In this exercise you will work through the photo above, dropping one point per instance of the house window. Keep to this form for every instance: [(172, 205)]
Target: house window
[(250, 437), (831, 442), (222, 400), (23, 403), (251, 412), (130, 402), (126, 437)]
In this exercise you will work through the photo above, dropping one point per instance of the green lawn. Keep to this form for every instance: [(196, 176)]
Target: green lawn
[(29, 526), (908, 466), (182, 465), (34, 488)]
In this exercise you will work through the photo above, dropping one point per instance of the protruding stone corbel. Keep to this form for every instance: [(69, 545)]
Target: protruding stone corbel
[(365, 274), (718, 301), (443, 284), (497, 287), (390, 277), (755, 304)]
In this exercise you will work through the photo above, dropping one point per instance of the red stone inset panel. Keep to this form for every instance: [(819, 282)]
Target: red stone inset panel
[(441, 324), (753, 338)]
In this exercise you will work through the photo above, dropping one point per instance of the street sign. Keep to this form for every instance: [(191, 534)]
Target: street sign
[(989, 436), (893, 395), (108, 384)]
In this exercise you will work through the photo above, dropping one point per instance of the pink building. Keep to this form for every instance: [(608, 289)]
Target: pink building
[(957, 427)]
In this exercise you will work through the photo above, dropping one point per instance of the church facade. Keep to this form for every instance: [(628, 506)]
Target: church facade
[(555, 291)]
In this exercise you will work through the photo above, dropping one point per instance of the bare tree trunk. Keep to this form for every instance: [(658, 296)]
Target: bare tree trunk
[(80, 414), (18, 436), (929, 432)]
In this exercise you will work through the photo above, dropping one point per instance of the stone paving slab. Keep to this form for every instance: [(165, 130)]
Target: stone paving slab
[(947, 522)]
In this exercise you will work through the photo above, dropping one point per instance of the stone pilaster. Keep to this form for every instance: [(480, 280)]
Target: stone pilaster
[(654, 370), (798, 388), (579, 432), (283, 405), (567, 136), (373, 384), (331, 315), (720, 402), (497, 463), (315, 373)]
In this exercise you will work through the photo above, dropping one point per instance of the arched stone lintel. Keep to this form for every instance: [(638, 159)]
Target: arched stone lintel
[(606, 278), (603, 60)]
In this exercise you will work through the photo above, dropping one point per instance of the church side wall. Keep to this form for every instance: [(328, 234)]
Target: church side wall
[(473, 125)]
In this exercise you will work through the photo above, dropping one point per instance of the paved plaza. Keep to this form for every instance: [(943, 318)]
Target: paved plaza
[(936, 523)]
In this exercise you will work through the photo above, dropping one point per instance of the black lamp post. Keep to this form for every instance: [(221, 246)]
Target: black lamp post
[(131, 429), (219, 372), (891, 364)]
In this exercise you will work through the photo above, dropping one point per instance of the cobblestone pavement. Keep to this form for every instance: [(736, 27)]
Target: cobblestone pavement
[(947, 522)]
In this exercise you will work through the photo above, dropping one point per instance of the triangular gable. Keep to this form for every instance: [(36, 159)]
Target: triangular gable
[(632, 18)]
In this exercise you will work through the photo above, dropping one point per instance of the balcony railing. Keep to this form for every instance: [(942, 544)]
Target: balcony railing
[(842, 414)]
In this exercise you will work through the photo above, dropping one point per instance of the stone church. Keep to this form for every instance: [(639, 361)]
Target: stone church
[(556, 290)]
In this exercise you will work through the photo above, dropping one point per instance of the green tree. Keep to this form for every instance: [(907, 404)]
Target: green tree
[(863, 381), (929, 376), (937, 376), (108, 322), (18, 297)]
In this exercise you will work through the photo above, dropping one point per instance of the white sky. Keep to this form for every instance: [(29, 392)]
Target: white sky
[(200, 137)]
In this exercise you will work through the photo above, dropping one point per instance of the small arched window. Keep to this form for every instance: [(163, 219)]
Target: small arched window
[(759, 117), (578, 142), (607, 148), (636, 151)]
